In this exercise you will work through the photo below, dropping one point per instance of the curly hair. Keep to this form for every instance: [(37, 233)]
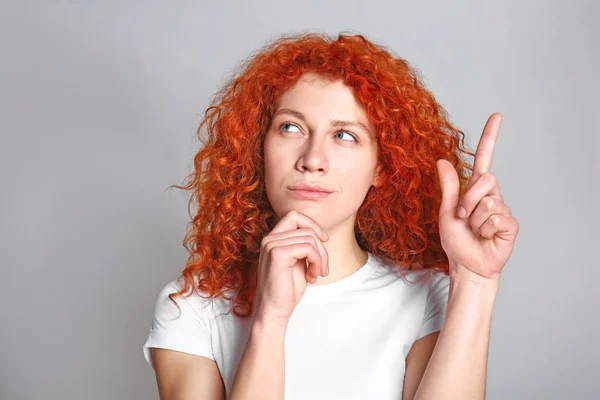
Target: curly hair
[(397, 221)]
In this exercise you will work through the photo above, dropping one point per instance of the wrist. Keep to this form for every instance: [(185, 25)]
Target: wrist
[(460, 273), (263, 326)]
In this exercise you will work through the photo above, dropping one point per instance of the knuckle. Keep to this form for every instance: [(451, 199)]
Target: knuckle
[(310, 248), (491, 178), (308, 231), (276, 252), (488, 203), (312, 233), (312, 240), (265, 241), (306, 246), (269, 247)]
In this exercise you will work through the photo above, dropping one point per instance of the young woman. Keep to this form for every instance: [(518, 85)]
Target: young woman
[(342, 246)]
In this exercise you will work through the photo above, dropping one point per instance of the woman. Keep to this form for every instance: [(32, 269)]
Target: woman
[(342, 246)]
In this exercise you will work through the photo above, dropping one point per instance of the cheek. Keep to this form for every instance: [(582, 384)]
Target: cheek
[(269, 155), (273, 157), (277, 159), (355, 174)]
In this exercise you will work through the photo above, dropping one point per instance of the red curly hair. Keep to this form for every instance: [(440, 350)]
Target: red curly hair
[(397, 220)]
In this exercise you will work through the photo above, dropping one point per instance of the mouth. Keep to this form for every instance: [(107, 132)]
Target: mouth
[(308, 194)]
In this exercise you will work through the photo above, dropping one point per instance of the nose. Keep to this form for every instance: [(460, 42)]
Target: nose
[(313, 157)]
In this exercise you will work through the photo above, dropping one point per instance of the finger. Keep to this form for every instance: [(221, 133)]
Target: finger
[(289, 255), (295, 220), (324, 271), (500, 226), (324, 257), (285, 241), (485, 147), (485, 185), (487, 206), (449, 185), (310, 273), (293, 232)]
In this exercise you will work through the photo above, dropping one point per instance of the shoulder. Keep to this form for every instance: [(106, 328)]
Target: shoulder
[(182, 323), (433, 279), (192, 307), (415, 278), (435, 283)]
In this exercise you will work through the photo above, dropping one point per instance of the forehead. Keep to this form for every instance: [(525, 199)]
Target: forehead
[(319, 96)]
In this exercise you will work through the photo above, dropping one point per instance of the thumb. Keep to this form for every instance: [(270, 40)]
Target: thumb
[(449, 184)]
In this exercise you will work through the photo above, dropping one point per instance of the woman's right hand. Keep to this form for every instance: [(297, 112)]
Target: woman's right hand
[(291, 256)]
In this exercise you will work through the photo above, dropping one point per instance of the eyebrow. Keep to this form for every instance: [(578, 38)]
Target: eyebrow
[(334, 122)]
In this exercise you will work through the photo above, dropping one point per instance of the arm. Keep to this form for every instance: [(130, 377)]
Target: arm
[(186, 376), (416, 362), (291, 255), (261, 371), (458, 365), (477, 233)]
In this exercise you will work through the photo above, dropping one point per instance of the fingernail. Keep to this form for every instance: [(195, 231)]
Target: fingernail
[(462, 212)]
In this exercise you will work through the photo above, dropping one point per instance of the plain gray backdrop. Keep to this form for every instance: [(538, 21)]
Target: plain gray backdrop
[(99, 106)]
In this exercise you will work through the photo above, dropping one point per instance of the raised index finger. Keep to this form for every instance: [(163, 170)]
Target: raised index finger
[(485, 148)]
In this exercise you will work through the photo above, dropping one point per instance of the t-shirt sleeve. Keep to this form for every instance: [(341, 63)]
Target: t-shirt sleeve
[(435, 305), (187, 331)]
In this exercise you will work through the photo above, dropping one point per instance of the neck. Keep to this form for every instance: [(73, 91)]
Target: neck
[(345, 255)]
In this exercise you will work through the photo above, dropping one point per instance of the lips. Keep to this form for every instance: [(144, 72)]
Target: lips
[(309, 191), (308, 194), (310, 188)]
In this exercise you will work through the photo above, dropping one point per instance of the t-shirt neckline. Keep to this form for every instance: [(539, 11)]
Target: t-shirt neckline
[(346, 283)]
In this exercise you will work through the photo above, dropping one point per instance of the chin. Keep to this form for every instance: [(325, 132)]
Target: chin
[(317, 214)]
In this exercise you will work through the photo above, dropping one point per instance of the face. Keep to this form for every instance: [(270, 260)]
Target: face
[(319, 140)]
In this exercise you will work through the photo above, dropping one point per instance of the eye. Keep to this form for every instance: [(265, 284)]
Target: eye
[(347, 134), (283, 126)]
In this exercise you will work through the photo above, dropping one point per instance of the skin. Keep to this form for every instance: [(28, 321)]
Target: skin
[(477, 231), (307, 148), (478, 241), (313, 239)]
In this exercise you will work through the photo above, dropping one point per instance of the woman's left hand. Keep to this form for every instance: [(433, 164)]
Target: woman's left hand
[(479, 241)]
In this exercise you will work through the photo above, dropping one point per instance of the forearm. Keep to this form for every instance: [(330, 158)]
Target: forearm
[(261, 371), (458, 365)]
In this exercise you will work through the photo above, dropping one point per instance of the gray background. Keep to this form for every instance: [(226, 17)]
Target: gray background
[(99, 105)]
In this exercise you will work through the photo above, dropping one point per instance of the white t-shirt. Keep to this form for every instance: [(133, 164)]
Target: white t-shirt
[(345, 340)]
